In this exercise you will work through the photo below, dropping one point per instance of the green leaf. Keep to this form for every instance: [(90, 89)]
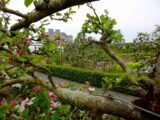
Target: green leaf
[(3, 110), (2, 67), (104, 19), (58, 14), (89, 16), (28, 2), (55, 116), (26, 113)]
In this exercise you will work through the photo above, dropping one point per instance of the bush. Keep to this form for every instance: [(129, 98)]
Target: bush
[(78, 74), (82, 75), (114, 81)]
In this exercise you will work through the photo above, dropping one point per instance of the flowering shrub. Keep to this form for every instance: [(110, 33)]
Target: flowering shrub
[(39, 103)]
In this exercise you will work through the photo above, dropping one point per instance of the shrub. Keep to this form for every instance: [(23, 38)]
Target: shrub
[(78, 74), (82, 75)]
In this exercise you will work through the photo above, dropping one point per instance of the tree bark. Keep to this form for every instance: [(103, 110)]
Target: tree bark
[(53, 7), (156, 76), (152, 100), (108, 50), (95, 104)]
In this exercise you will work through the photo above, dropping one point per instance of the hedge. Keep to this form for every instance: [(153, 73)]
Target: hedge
[(79, 75), (94, 77)]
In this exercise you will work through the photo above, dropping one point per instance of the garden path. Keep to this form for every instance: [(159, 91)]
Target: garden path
[(120, 96)]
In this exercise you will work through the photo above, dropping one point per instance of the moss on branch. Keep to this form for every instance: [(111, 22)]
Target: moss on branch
[(96, 104), (53, 7)]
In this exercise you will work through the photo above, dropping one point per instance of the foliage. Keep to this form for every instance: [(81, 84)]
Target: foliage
[(40, 104), (28, 2), (101, 25), (145, 49), (17, 61), (77, 74), (114, 81), (79, 55)]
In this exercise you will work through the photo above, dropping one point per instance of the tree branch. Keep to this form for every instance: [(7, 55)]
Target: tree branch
[(94, 10), (91, 42), (53, 7), (48, 72), (17, 13), (6, 50)]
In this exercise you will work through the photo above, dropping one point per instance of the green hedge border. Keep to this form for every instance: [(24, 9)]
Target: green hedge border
[(79, 75), (82, 75)]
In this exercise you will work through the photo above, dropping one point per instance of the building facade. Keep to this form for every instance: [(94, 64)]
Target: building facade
[(58, 35)]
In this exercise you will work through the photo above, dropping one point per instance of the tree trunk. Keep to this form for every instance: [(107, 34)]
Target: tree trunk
[(108, 50), (152, 100), (155, 88), (156, 76)]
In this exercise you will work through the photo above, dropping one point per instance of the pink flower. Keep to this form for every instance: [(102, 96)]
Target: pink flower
[(2, 103), (35, 89), (13, 102), (54, 104), (25, 102), (52, 95), (90, 89)]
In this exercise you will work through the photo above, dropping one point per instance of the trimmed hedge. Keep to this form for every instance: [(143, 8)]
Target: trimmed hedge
[(94, 77), (82, 75)]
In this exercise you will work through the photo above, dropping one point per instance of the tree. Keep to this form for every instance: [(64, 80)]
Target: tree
[(79, 55), (15, 54), (104, 26)]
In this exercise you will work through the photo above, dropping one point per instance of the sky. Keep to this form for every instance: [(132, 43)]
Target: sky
[(132, 16)]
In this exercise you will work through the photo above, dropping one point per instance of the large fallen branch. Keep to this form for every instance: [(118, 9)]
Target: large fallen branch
[(96, 104)]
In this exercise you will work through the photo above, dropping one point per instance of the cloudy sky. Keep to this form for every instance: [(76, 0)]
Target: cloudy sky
[(132, 16)]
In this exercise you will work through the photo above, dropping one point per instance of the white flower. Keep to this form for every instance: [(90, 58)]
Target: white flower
[(20, 108), (24, 104), (31, 101), (17, 85)]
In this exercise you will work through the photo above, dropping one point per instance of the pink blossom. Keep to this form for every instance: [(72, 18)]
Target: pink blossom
[(90, 89), (52, 95), (35, 89), (54, 104), (25, 102), (13, 102), (2, 103)]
